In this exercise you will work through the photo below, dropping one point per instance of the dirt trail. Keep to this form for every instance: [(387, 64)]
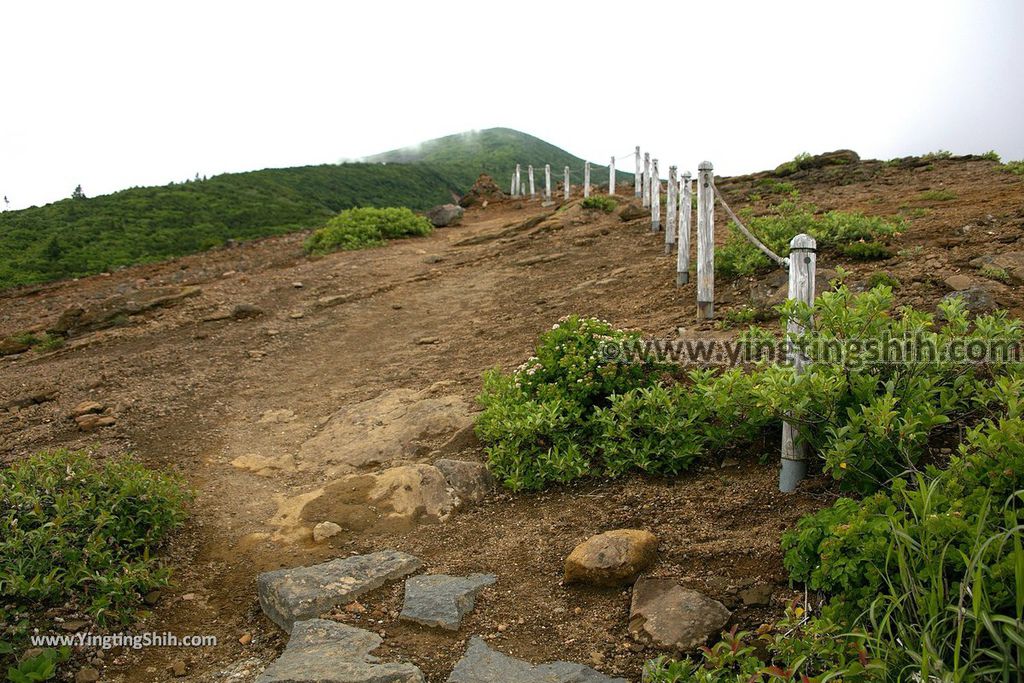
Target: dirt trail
[(430, 315)]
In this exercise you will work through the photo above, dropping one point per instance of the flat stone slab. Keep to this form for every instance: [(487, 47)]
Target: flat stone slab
[(441, 600), (322, 651), (290, 595), (481, 664), (669, 616)]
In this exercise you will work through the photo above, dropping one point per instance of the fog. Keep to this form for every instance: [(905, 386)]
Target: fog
[(129, 94)]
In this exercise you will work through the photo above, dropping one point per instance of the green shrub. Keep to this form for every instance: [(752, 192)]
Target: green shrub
[(791, 167), (991, 155), (881, 279), (366, 227), (833, 229), (606, 204), (939, 154), (40, 667), (773, 186), (865, 251), (1015, 167), (937, 195), (80, 532), (995, 273)]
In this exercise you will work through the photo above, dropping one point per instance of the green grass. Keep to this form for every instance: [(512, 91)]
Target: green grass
[(938, 154), (882, 279), (1015, 167), (363, 228), (995, 273), (937, 195), (600, 202)]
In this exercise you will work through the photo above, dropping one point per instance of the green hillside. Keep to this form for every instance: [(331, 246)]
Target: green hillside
[(76, 237), (496, 151)]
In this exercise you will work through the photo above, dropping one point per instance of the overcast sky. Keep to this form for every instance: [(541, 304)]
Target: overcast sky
[(112, 95)]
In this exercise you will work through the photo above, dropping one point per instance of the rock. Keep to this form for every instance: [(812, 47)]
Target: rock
[(31, 399), (632, 212), (335, 300), (471, 481), (92, 422), (152, 597), (426, 341), (114, 311), (841, 157), (86, 408), (87, 674), (1010, 261), (484, 191), (290, 595), (958, 283), (614, 558), (321, 651), (245, 639), (325, 530), (446, 215), (178, 668), (242, 311), (74, 625), (11, 346), (481, 664), (381, 430), (297, 285), (440, 600), (669, 616), (757, 596), (976, 299), (540, 258)]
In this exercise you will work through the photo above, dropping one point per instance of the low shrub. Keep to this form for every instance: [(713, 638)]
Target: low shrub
[(84, 533), (601, 202), (938, 154), (991, 155), (882, 279), (866, 251), (833, 229), (366, 227), (1015, 167), (995, 273), (937, 195)]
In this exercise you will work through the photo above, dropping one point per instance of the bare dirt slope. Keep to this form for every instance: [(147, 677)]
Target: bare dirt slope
[(230, 404)]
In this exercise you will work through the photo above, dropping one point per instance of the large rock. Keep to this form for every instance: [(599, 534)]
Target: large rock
[(632, 212), (481, 664), (669, 616), (290, 595), (470, 481), (483, 190), (440, 600), (1010, 261), (977, 299), (321, 651), (113, 311), (445, 216), (397, 425), (11, 346), (614, 558)]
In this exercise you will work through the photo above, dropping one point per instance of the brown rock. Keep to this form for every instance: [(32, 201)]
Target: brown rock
[(11, 346), (958, 283), (632, 212), (757, 596), (86, 408), (666, 615), (178, 668), (245, 639), (87, 674), (614, 558), (92, 422)]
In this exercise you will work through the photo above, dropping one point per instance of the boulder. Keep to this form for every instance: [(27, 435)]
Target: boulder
[(290, 595), (440, 600), (1010, 261), (484, 190), (614, 558), (669, 616), (632, 212), (113, 311), (481, 664), (446, 215), (11, 346), (322, 651), (976, 299)]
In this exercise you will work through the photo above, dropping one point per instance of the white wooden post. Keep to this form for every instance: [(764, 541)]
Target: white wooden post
[(647, 181), (685, 209), (655, 197), (671, 206), (566, 184), (547, 182), (705, 241), (519, 182), (611, 178), (529, 173), (637, 177), (512, 186), (802, 262), (586, 179)]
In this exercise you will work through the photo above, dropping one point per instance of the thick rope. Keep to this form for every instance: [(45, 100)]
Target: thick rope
[(781, 262)]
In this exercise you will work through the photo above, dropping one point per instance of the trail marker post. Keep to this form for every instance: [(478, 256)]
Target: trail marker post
[(586, 179), (565, 184), (529, 173), (655, 197), (611, 178), (519, 182), (671, 208), (547, 182), (802, 264), (685, 210), (512, 186), (647, 181), (705, 241), (637, 177)]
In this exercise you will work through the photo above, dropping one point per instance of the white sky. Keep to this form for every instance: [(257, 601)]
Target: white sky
[(112, 95)]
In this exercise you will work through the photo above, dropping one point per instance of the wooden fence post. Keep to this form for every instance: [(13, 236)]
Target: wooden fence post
[(611, 178), (671, 207), (647, 181), (637, 177), (566, 184), (529, 173), (586, 179), (802, 263), (512, 186), (547, 182), (685, 211), (705, 241), (519, 182), (655, 197)]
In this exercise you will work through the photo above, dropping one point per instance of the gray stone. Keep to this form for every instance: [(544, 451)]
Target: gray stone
[(322, 651), (440, 600), (471, 481), (669, 616), (757, 596), (1010, 261), (290, 595), (445, 215), (976, 299), (481, 664), (325, 530)]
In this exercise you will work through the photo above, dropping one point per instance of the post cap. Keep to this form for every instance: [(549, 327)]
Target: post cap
[(804, 242), (705, 166), (686, 174)]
